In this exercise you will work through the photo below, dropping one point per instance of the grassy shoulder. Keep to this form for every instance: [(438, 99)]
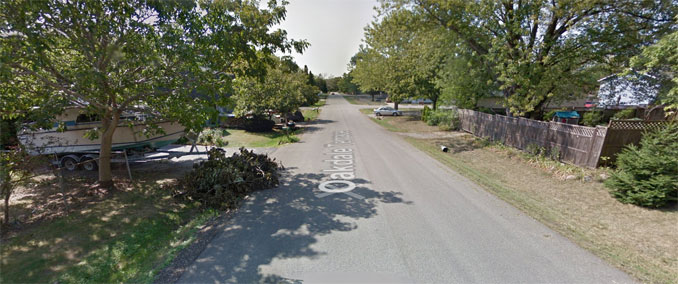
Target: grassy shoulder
[(128, 236), (380, 121), (570, 200), (311, 113)]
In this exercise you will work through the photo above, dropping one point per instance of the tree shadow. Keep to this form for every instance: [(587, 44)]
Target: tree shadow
[(318, 121), (56, 194), (313, 126), (282, 223)]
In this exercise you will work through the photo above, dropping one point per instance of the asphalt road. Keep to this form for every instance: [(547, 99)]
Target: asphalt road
[(408, 219)]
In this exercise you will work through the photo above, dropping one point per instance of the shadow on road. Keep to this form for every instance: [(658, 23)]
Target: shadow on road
[(282, 223), (312, 126)]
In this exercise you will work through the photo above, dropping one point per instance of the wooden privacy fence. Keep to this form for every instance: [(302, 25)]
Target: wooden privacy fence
[(574, 144)]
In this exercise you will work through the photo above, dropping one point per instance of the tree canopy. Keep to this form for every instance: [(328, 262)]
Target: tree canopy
[(402, 57), (530, 52), (661, 60), (138, 55), (284, 89)]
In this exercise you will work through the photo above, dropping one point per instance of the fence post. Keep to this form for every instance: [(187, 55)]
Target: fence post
[(494, 127), (589, 153)]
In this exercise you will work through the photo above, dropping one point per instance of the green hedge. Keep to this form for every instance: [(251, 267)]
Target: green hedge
[(648, 175), (446, 119)]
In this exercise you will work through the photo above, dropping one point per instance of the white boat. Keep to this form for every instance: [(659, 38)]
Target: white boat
[(130, 134)]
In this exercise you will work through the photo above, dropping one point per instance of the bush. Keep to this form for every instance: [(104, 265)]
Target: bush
[(592, 118), (625, 114), (253, 124), (648, 175), (445, 119), (297, 116), (213, 137), (221, 182), (425, 113), (258, 124)]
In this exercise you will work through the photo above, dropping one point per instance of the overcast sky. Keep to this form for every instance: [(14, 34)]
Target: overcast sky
[(333, 27)]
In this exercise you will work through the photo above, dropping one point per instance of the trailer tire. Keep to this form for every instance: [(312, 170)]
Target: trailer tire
[(70, 164), (89, 164)]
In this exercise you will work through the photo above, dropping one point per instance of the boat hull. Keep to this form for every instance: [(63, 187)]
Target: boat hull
[(73, 139)]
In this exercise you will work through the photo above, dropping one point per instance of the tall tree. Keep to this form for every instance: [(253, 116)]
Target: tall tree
[(345, 84), (321, 83), (114, 56), (367, 68), (332, 84), (403, 56), (661, 60), (282, 89), (538, 49)]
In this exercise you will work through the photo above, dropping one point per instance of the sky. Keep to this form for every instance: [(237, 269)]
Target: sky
[(334, 28)]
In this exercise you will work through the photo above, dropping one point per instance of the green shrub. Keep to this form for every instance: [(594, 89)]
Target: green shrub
[(548, 116), (213, 137), (258, 124), (425, 113), (221, 182), (648, 175), (592, 118), (625, 114), (445, 119)]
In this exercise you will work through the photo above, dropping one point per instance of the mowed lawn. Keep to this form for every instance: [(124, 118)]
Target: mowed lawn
[(237, 138), (571, 200), (241, 138), (311, 113)]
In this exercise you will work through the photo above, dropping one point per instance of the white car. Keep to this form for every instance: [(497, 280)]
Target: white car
[(387, 110)]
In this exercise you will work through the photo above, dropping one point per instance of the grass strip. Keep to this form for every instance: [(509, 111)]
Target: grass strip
[(382, 122)]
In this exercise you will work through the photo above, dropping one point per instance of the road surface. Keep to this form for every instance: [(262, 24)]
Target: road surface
[(359, 204)]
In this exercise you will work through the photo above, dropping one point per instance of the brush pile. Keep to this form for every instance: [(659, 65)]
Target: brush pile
[(221, 182)]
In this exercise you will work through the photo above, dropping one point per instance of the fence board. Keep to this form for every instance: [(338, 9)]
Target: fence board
[(621, 133), (571, 143), (575, 144)]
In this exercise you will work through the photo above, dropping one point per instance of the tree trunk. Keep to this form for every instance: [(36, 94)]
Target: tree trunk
[(395, 105), (8, 193), (435, 103), (372, 94), (110, 122), (507, 94), (7, 209)]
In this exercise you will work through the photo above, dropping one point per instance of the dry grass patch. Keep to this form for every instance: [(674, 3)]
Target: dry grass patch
[(410, 124)]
